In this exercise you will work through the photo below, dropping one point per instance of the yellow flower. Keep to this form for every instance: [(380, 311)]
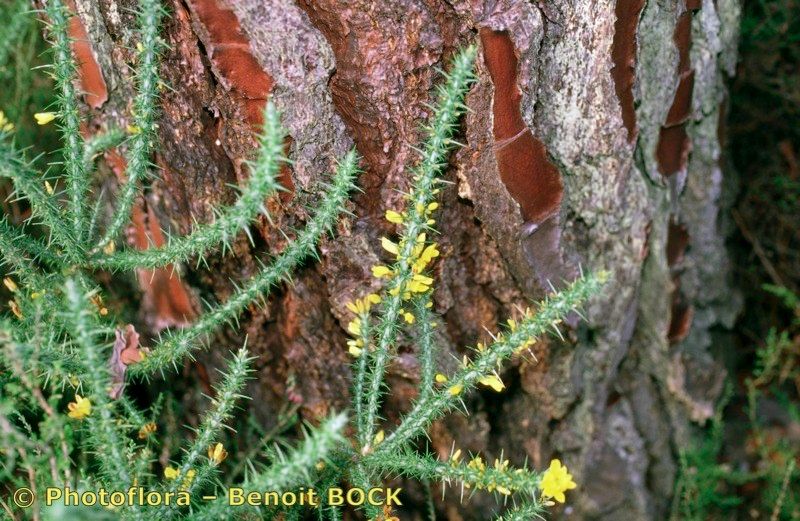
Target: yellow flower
[(43, 118), (109, 248), (217, 454), (354, 347), (48, 188), (407, 316), (477, 463), (363, 305), (455, 390), (147, 429), (379, 437), (5, 124), (80, 408), (354, 327), (10, 284), (187, 481), (440, 378), (501, 465), (97, 300), (171, 473), (455, 457), (424, 257), (419, 284), (556, 480), (389, 246), (15, 308), (492, 381), (381, 271), (394, 217)]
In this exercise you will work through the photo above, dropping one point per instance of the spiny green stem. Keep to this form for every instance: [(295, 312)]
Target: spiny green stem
[(479, 477), (360, 479), (262, 183), (179, 344), (524, 512), (45, 206), (449, 107), (290, 470), (361, 374), (108, 440), (144, 117), (213, 422), (101, 143), (548, 315), (25, 245), (20, 261), (426, 345), (64, 73)]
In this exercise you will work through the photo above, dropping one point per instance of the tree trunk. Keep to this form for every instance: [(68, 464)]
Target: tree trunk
[(593, 142)]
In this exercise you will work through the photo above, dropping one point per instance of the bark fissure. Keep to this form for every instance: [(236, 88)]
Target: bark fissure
[(623, 54), (674, 144)]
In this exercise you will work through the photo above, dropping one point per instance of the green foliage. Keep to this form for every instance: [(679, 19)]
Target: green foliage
[(703, 483), (22, 55), (707, 487), (63, 409)]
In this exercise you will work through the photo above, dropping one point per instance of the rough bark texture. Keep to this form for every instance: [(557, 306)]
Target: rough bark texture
[(592, 142)]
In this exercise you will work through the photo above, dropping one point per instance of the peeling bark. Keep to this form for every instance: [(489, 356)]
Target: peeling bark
[(93, 85), (593, 124)]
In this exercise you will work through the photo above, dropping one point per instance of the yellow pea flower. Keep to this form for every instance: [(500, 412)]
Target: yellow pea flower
[(80, 408), (455, 457), (354, 327), (381, 271), (389, 246), (354, 347), (5, 124), (217, 454), (455, 390), (492, 381), (15, 308), (147, 429), (43, 118), (394, 217), (556, 480), (10, 284)]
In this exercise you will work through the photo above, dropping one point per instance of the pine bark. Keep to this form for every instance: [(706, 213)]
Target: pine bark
[(593, 142)]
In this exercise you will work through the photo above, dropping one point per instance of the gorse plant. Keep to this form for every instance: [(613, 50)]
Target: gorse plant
[(65, 419)]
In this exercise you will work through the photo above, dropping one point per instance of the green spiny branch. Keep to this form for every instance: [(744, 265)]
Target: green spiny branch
[(405, 279), (262, 183), (176, 345), (64, 74), (548, 315), (144, 116)]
